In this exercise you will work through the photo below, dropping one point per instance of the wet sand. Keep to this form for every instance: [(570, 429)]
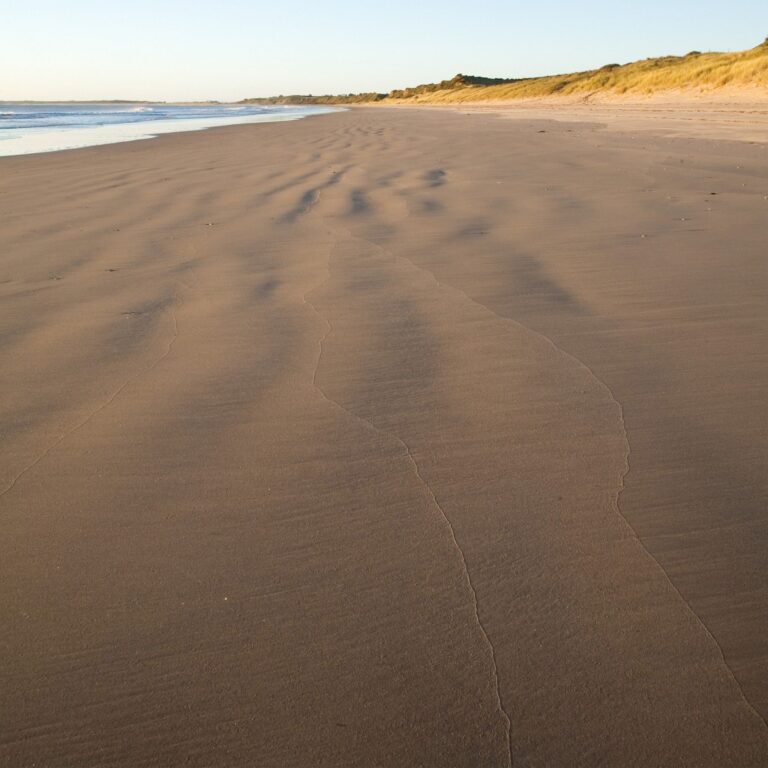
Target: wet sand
[(393, 437)]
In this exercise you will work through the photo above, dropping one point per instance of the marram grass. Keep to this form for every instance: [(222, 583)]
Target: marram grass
[(693, 72), (697, 71)]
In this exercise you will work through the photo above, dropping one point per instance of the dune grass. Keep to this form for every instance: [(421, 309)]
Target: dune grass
[(701, 71), (693, 72)]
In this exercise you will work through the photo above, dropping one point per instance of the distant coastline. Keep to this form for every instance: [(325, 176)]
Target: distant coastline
[(136, 102)]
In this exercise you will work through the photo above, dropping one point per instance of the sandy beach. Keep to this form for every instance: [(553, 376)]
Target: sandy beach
[(390, 437)]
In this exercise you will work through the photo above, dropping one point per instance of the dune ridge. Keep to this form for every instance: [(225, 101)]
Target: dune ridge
[(709, 74)]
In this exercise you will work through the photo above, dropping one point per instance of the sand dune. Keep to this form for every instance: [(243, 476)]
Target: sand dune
[(390, 437)]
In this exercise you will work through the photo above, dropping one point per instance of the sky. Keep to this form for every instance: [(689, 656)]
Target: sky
[(179, 50)]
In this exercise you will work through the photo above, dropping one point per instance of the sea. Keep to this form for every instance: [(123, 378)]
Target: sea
[(30, 128)]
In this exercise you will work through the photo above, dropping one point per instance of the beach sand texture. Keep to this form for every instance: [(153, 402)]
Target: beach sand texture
[(392, 437)]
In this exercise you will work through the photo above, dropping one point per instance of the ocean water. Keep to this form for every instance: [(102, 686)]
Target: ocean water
[(28, 128)]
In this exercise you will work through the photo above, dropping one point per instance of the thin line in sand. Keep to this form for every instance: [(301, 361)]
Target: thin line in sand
[(622, 479), (431, 494)]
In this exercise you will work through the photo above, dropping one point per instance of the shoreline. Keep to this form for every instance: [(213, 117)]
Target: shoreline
[(38, 140)]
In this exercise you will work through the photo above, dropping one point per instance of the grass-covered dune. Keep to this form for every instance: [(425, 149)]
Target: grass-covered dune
[(703, 72), (700, 71)]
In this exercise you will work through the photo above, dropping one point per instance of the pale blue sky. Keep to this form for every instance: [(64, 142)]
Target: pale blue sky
[(231, 49)]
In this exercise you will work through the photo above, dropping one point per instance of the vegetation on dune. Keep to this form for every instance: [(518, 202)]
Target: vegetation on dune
[(348, 98), (459, 81), (694, 71), (455, 83), (704, 71)]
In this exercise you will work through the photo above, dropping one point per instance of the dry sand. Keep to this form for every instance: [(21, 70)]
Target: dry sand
[(387, 438)]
